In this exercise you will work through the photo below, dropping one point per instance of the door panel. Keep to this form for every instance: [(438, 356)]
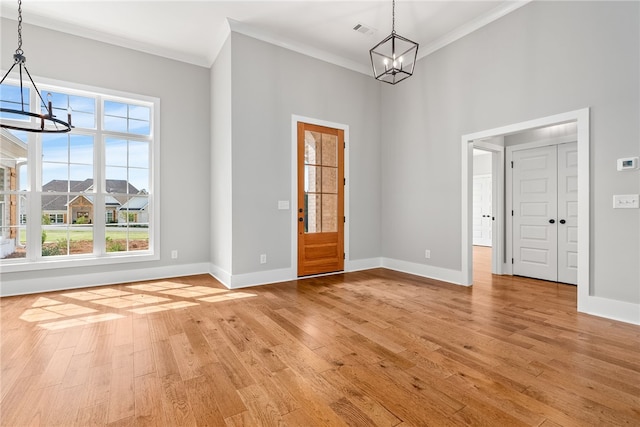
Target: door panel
[(568, 212), (535, 204), (320, 199), (482, 207)]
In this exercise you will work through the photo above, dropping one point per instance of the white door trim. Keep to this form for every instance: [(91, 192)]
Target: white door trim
[(497, 201), (581, 117), (294, 184)]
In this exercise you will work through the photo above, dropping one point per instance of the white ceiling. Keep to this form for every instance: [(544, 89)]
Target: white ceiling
[(194, 31)]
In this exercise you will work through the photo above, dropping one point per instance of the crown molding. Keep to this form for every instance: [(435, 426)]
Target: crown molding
[(88, 33), (471, 26), (272, 38)]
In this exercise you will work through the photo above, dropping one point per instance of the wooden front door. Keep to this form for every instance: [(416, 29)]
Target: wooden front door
[(320, 199)]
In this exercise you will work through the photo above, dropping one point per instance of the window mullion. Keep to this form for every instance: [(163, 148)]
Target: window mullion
[(99, 229)]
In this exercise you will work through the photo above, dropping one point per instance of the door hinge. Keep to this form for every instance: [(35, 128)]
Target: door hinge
[(511, 260), (512, 164), (344, 219), (345, 144), (344, 255), (511, 213), (344, 181)]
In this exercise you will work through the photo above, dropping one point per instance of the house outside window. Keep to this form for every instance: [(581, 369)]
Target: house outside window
[(80, 182)]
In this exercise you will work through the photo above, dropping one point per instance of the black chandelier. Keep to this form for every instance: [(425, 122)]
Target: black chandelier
[(29, 121), (394, 57)]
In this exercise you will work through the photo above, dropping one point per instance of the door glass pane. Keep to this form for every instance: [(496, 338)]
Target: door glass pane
[(312, 181), (329, 213), (312, 221), (329, 180), (312, 147), (329, 150)]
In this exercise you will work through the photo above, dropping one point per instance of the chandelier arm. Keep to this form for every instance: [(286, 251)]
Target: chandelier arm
[(22, 89), (44, 104), (7, 73)]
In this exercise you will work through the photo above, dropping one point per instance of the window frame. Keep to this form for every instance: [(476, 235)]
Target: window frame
[(32, 196)]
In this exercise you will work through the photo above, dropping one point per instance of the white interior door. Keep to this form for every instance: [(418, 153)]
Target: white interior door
[(535, 230), (545, 217), (568, 213), (482, 207)]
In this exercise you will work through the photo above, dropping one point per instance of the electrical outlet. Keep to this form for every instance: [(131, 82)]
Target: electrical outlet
[(174, 254), (427, 253), (263, 259)]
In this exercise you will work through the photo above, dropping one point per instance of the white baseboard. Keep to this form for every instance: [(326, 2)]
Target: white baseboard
[(236, 281), (76, 281), (362, 264), (612, 309), (223, 276), (261, 278), (428, 271)]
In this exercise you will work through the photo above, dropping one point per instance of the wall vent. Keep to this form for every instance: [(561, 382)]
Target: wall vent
[(364, 29)]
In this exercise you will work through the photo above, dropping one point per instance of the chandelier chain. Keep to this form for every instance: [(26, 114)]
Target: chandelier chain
[(19, 49), (393, 17)]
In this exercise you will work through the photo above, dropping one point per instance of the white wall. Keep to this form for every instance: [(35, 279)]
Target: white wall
[(545, 58), (221, 191), (269, 85), (185, 155)]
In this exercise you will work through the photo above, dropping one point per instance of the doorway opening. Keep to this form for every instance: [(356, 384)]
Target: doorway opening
[(482, 213), (492, 137)]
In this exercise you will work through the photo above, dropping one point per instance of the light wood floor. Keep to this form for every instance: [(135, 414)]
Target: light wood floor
[(360, 349)]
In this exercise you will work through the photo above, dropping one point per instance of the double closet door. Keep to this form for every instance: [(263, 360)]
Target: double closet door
[(545, 213)]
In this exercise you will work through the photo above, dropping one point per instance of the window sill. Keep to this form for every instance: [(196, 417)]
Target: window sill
[(22, 265)]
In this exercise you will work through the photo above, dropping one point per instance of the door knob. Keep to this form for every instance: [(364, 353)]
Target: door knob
[(562, 221), (552, 221)]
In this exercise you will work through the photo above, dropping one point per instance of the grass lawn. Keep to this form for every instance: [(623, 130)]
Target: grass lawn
[(86, 234)]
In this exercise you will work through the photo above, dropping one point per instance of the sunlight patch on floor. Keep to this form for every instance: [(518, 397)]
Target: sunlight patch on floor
[(163, 307), (80, 321), (130, 301), (45, 309), (158, 286), (44, 302)]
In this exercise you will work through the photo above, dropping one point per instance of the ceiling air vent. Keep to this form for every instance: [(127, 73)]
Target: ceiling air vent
[(364, 29)]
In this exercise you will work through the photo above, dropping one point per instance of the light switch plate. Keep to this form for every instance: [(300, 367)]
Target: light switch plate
[(626, 201), (628, 163)]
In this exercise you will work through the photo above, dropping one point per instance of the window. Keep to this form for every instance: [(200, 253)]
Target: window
[(56, 218), (92, 187)]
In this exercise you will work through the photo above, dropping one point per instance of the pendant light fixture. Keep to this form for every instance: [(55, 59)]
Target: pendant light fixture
[(394, 57), (22, 119)]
